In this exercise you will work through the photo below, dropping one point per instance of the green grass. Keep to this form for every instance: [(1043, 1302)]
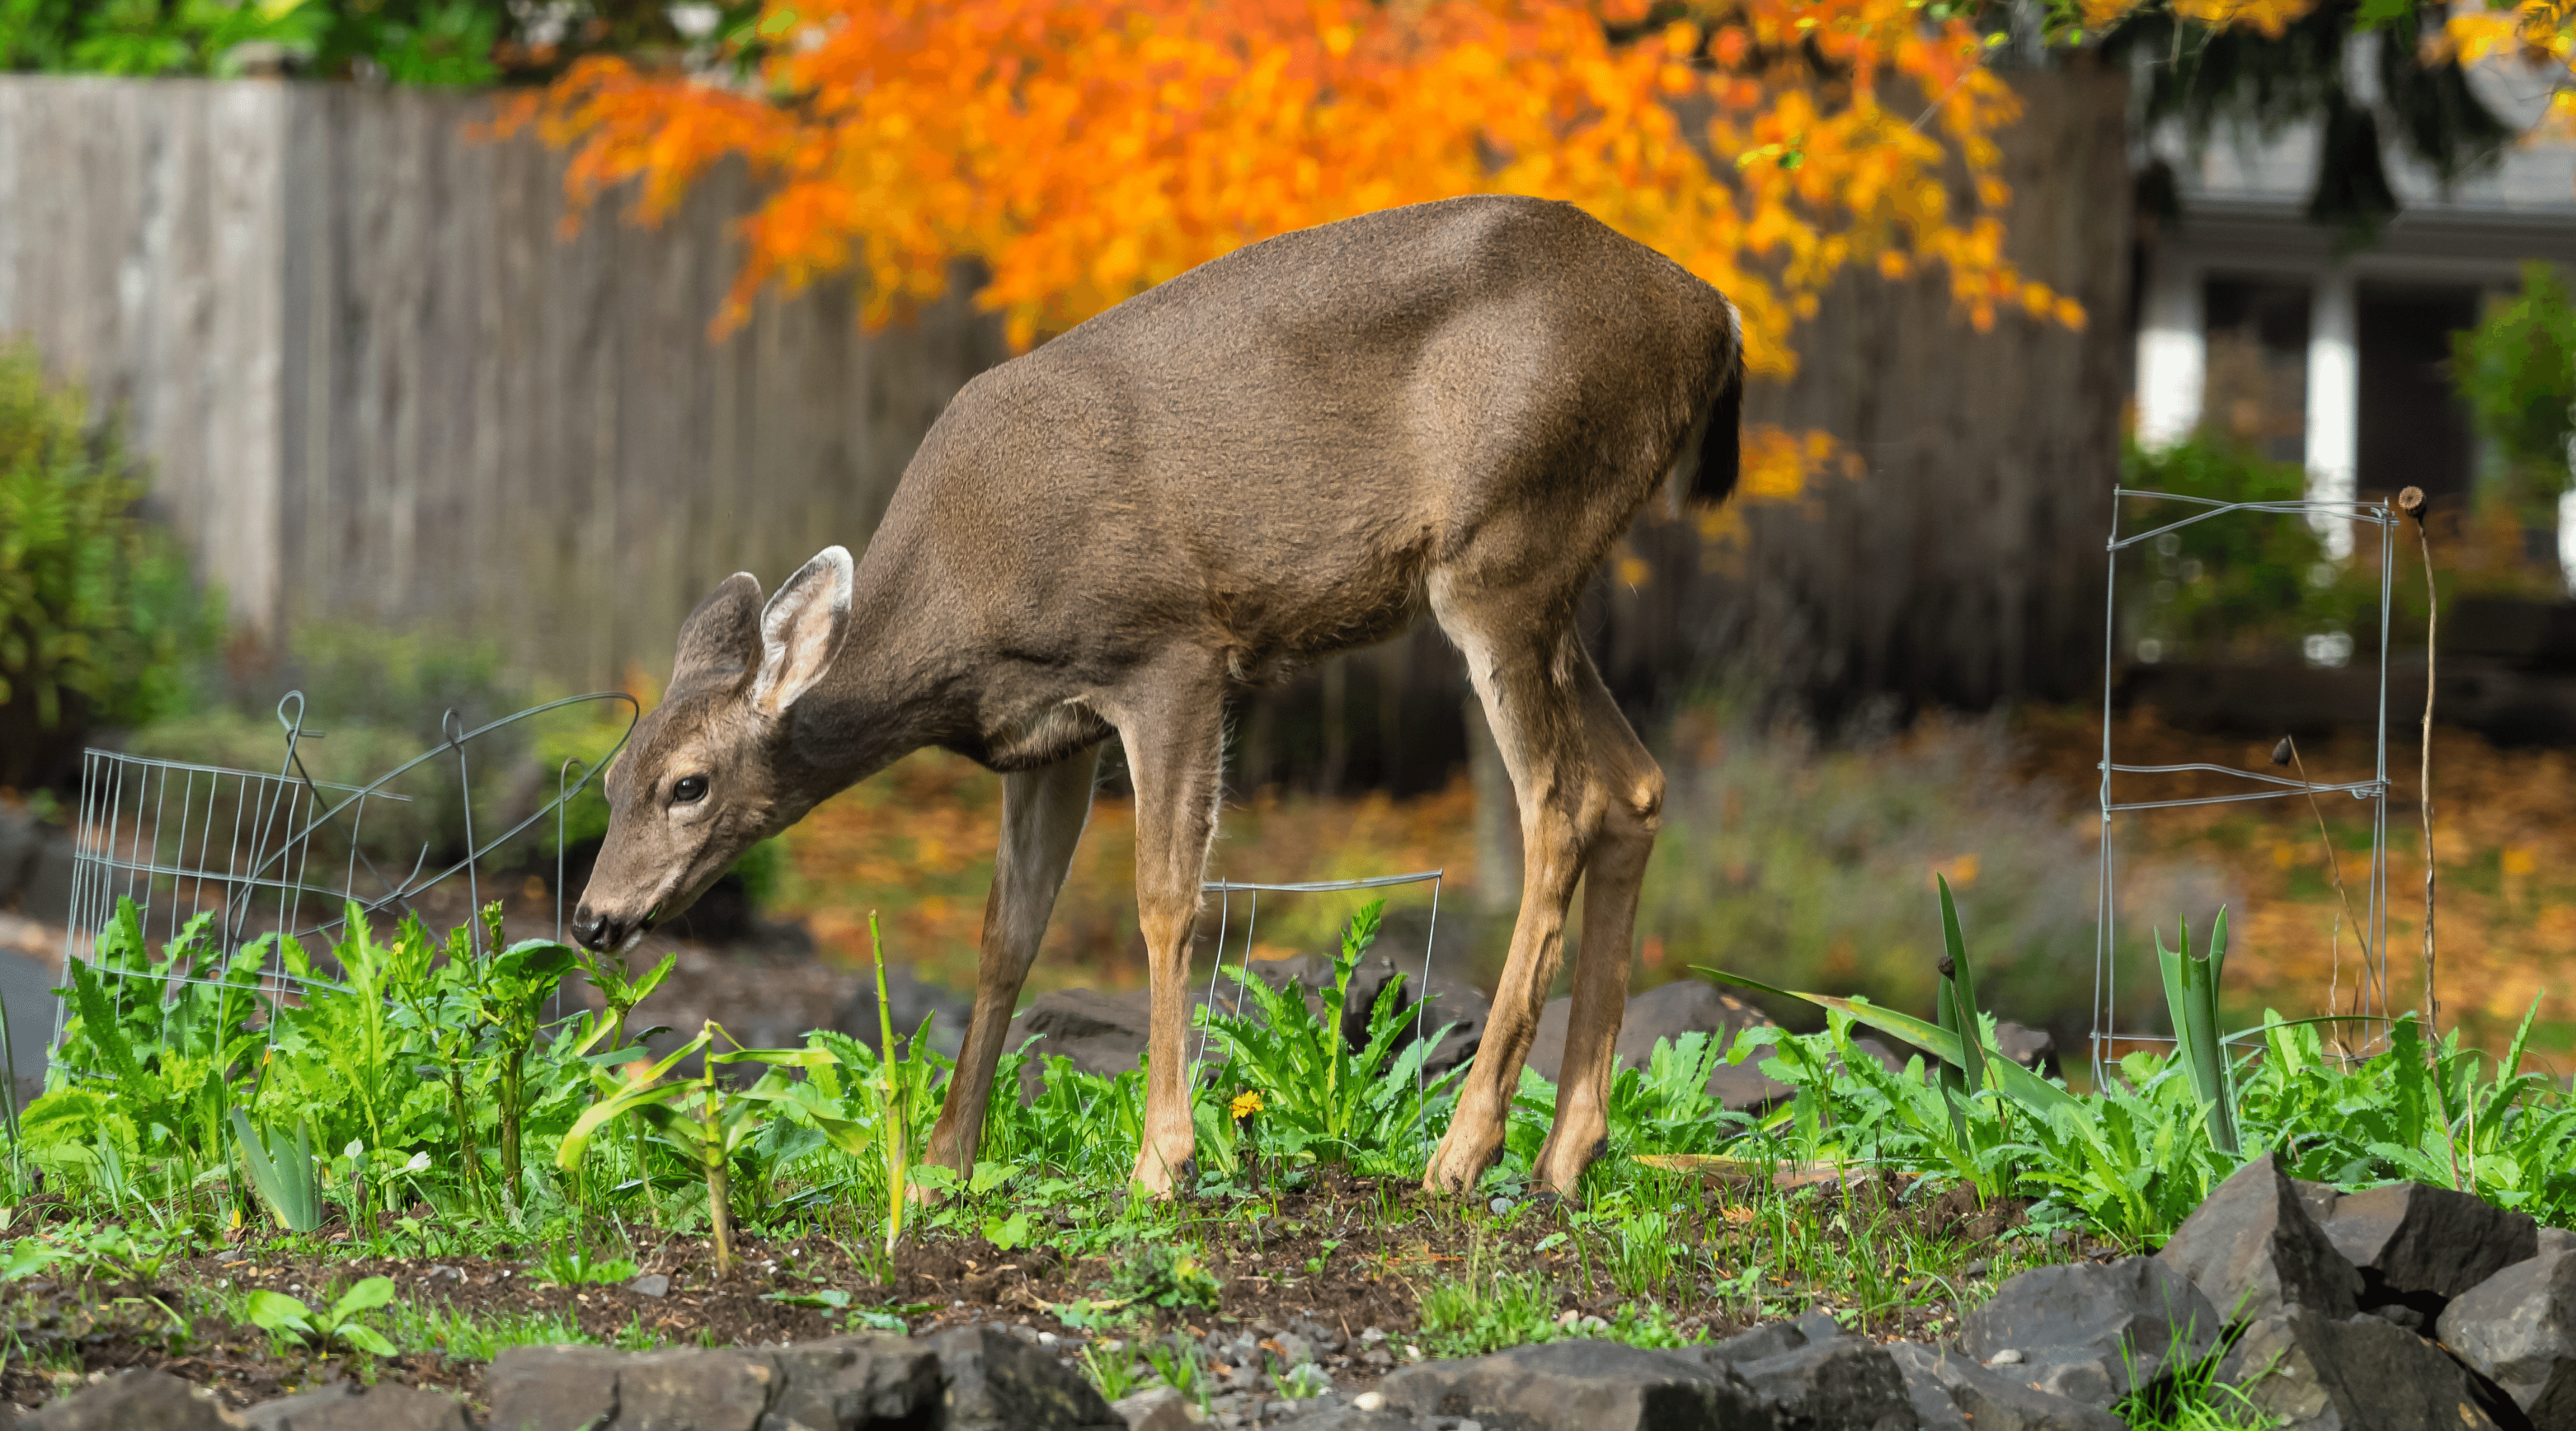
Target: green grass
[(2194, 1400), (481, 1336)]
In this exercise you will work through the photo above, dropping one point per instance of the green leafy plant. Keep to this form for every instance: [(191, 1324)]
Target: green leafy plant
[(1167, 1276), (2234, 587), (1473, 1315), (572, 1265), (1178, 1364), (2191, 998), (2516, 370), (1303, 1382), (338, 1325), (1317, 1098), (283, 1171), (700, 1117), (100, 622), (605, 971), (1111, 1371), (164, 1034), (1955, 1010), (512, 990), (895, 1106)]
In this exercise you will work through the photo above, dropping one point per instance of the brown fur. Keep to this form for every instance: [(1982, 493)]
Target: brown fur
[(1285, 453)]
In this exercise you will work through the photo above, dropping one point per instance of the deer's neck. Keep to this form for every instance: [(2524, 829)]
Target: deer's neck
[(889, 692)]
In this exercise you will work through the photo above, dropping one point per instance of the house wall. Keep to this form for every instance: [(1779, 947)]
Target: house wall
[(378, 383)]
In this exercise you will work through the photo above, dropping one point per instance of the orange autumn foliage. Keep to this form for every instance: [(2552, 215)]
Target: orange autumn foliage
[(1084, 150), (2539, 34)]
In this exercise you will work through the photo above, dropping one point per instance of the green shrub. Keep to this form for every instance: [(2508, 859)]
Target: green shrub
[(2239, 586), (2516, 371), (378, 698), (100, 624), (1308, 1096)]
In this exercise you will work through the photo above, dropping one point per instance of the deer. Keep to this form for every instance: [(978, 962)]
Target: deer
[(1290, 451)]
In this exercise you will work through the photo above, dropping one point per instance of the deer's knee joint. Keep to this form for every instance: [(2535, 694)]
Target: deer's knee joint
[(1645, 799)]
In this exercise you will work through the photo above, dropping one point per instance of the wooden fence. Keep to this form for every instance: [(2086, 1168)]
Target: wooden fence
[(378, 383)]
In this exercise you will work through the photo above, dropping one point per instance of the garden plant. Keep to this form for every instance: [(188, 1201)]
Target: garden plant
[(323, 1181)]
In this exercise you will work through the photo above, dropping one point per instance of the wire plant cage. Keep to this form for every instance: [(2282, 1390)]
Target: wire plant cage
[(250, 859), (2131, 790), (1251, 891)]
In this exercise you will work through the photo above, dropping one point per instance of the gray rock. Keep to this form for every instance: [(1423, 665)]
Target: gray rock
[(997, 1382), (1580, 1386), (1156, 1408), (2029, 1047), (2318, 1373), (700, 1390), (45, 890), (35, 866), (1772, 1339), (136, 1400), (2318, 1198), (979, 1379), (21, 834), (843, 1383), (2094, 1332), (1921, 1366), (347, 1406), (2252, 1248), (1667, 1012), (2518, 1329), (1836, 1384), (909, 1000), (1951, 1392), (1101, 1033), (2422, 1245), (1351, 1418), (27, 987)]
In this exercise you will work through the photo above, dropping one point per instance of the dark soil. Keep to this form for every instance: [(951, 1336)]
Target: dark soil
[(1381, 1243)]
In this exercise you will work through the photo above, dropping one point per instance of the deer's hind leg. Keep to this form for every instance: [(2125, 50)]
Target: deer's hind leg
[(1043, 812), (1536, 683)]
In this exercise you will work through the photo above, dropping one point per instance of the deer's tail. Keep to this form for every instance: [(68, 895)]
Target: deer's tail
[(1718, 440)]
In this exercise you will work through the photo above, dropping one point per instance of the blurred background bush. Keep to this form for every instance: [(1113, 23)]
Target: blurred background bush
[(101, 624)]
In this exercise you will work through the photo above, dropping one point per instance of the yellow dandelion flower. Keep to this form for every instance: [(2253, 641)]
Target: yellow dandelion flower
[(1245, 1104)]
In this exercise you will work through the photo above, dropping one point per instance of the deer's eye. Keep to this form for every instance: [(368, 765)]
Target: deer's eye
[(690, 790)]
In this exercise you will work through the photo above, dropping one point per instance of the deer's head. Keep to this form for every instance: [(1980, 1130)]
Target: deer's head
[(709, 772)]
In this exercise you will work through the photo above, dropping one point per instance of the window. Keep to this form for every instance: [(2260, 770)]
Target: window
[(2413, 431), (2257, 369)]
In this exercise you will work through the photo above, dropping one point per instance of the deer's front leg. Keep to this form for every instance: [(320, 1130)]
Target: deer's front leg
[(1174, 747), (1043, 812)]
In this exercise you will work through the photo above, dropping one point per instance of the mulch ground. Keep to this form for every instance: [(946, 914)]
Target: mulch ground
[(1382, 1244)]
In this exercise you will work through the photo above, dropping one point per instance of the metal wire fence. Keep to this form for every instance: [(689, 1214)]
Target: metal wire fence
[(221, 863), (2151, 787)]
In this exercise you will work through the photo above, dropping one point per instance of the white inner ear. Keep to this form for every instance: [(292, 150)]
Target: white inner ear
[(800, 630)]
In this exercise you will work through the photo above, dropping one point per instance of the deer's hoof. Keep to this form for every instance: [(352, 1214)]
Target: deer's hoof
[(1457, 1165), (1161, 1180), (1560, 1167)]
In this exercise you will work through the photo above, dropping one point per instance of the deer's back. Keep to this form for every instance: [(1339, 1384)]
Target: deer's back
[(1278, 447)]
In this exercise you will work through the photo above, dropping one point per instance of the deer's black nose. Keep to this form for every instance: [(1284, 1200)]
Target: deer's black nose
[(595, 931)]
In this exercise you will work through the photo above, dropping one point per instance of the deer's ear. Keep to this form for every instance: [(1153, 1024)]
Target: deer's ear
[(721, 639), (801, 630)]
